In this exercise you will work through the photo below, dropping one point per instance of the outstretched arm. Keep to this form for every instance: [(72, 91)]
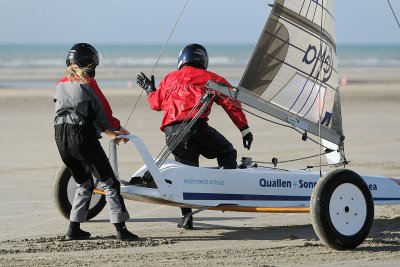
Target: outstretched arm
[(147, 84)]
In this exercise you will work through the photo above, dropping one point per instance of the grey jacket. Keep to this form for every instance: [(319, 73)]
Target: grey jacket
[(77, 103)]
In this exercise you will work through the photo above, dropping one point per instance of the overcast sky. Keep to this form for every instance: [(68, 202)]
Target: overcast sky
[(204, 21)]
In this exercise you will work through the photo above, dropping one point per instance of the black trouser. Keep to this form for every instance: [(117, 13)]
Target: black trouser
[(203, 140), (83, 154)]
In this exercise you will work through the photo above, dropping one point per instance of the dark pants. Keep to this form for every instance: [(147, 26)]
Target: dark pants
[(83, 154), (202, 140)]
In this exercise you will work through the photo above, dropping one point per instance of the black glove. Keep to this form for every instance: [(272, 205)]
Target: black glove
[(144, 82), (247, 137)]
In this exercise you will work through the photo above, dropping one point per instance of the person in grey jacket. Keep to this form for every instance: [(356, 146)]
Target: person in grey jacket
[(82, 114)]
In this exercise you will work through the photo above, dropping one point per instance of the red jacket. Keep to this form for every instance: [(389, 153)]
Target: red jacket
[(114, 122), (179, 92)]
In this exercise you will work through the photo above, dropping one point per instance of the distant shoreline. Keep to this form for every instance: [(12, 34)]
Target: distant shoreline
[(125, 77), (146, 55)]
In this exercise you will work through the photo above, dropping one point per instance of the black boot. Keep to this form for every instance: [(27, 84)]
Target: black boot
[(76, 233), (187, 220), (123, 234)]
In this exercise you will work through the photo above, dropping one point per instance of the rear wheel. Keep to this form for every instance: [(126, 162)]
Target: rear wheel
[(63, 191), (342, 209)]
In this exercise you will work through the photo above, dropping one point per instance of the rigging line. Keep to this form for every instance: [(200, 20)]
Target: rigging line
[(133, 109), (291, 160), (170, 35), (319, 90), (268, 120), (394, 14), (307, 168), (327, 149), (159, 57), (343, 163), (318, 80)]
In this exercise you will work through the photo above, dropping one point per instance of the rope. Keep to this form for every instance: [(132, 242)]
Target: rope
[(394, 14), (158, 59), (327, 149), (292, 160), (268, 120), (319, 91)]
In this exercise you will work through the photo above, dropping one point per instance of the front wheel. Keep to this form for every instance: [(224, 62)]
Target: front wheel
[(342, 209), (63, 191)]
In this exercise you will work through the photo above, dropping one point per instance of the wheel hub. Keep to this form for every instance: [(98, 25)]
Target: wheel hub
[(347, 209)]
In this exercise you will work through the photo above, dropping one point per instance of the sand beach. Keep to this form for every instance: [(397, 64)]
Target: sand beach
[(32, 229)]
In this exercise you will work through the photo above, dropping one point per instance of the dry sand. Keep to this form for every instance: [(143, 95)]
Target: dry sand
[(32, 229)]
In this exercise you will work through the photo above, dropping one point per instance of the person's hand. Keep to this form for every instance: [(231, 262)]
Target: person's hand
[(113, 134), (147, 84), (124, 131), (247, 137)]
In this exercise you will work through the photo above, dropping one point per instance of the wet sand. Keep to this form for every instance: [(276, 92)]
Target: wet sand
[(32, 229)]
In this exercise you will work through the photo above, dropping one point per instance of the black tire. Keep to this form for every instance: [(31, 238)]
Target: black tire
[(63, 190), (342, 209)]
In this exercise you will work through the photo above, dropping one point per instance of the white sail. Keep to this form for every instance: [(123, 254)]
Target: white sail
[(292, 73), (294, 64)]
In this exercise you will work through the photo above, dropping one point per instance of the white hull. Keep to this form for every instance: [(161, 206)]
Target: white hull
[(257, 189)]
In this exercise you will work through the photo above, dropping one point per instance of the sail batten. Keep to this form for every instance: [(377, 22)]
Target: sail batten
[(296, 19), (305, 73)]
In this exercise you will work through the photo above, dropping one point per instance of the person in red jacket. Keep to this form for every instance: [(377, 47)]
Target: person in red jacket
[(177, 94), (82, 114)]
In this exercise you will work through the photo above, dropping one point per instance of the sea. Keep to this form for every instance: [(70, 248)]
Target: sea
[(26, 56)]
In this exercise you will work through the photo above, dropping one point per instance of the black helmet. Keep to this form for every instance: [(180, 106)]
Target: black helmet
[(194, 55), (83, 55)]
